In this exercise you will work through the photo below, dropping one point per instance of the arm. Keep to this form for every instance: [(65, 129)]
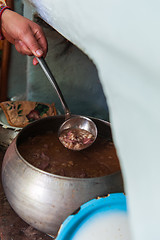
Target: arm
[(26, 35)]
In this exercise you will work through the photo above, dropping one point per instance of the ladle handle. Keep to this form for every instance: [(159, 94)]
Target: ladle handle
[(53, 81)]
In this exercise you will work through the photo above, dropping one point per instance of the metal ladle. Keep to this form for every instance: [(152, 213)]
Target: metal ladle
[(71, 122)]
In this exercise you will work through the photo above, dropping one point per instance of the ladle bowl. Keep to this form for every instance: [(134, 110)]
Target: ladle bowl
[(71, 122), (79, 122)]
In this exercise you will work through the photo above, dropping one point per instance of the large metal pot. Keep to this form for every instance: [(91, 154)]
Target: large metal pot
[(42, 199)]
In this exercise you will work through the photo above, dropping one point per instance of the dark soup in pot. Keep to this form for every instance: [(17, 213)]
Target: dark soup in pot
[(47, 153)]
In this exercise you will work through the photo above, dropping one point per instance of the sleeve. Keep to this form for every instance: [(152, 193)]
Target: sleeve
[(3, 7)]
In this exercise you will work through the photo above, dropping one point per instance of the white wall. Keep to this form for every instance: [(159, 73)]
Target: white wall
[(122, 38)]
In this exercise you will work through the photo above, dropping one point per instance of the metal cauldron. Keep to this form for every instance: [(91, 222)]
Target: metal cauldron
[(45, 200)]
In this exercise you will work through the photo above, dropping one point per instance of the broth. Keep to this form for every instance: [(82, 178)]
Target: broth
[(46, 152)]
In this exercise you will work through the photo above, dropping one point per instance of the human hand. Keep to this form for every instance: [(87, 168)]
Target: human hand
[(27, 36)]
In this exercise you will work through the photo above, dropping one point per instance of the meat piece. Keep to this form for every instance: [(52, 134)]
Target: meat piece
[(44, 163)]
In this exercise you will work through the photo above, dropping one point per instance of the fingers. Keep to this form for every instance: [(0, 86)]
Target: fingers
[(27, 36), (35, 40), (35, 62), (32, 44), (39, 35), (22, 48)]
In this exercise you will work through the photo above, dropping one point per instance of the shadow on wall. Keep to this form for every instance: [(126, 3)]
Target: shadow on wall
[(75, 73)]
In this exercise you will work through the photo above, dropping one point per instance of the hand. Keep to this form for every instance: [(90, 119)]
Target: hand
[(27, 36)]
